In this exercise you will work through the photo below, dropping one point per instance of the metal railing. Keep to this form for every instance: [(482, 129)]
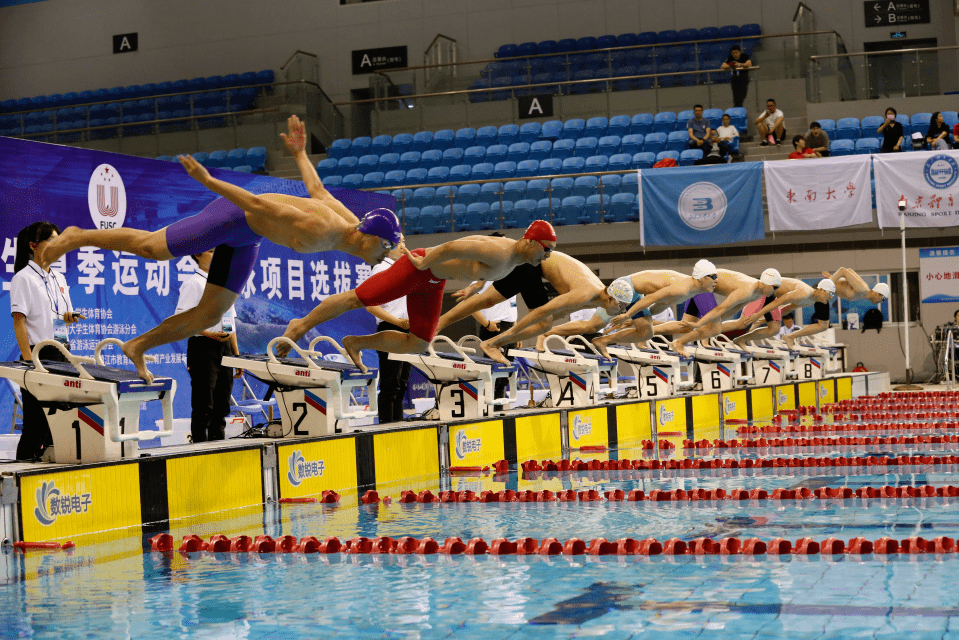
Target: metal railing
[(949, 360), (866, 75)]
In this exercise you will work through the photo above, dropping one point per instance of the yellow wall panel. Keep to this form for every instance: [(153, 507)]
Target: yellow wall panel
[(785, 397), (214, 482), (477, 444), (807, 394), (735, 405), (309, 468), (671, 416), (843, 389), (827, 391), (587, 427), (406, 454), (705, 416), (538, 437), (763, 401), (633, 422)]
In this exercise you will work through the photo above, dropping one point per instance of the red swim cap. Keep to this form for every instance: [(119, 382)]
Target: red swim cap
[(540, 230)]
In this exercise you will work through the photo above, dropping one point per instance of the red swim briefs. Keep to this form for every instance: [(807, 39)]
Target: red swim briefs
[(423, 291)]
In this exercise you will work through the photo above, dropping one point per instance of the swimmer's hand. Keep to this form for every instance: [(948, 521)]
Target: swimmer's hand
[(620, 321), (748, 321), (417, 261), (466, 292), (403, 324), (295, 330), (827, 275), (196, 170), (296, 140)]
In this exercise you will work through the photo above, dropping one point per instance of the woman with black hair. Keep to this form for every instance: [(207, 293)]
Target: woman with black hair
[(938, 135), (41, 309)]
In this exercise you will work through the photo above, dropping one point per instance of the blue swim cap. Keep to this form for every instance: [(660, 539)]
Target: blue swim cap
[(381, 223)]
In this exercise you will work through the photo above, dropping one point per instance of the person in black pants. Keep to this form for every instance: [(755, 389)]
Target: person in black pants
[(494, 321), (394, 375), (738, 63), (211, 383), (41, 309)]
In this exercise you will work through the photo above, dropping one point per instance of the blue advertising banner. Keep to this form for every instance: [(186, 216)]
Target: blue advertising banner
[(123, 295), (692, 206)]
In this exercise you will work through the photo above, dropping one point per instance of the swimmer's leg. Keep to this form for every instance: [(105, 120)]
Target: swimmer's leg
[(388, 341), (146, 244), (214, 302)]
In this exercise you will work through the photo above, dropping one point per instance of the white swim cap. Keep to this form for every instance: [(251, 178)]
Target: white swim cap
[(771, 276), (882, 289), (827, 285), (704, 268), (622, 290)]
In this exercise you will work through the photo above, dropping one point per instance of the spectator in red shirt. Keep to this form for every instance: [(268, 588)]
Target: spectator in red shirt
[(859, 368), (802, 152)]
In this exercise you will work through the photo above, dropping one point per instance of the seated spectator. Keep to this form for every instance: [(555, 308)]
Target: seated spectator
[(938, 135), (725, 135), (716, 154), (699, 129), (860, 367), (802, 152), (789, 324), (891, 132), (771, 125), (817, 140)]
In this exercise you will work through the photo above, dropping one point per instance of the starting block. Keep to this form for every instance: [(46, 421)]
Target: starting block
[(93, 410), (827, 342), (574, 377), (806, 362), (770, 365), (743, 372), (658, 372), (465, 383), (719, 369), (314, 393)]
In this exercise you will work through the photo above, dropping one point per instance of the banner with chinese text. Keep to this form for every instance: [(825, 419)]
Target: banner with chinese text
[(123, 295), (927, 180), (824, 193), (939, 275), (692, 206)]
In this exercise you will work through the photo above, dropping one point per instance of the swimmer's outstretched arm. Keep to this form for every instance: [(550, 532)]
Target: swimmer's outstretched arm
[(474, 249), (237, 195)]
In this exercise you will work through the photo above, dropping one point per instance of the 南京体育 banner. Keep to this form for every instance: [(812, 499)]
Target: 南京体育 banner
[(824, 193), (928, 182), (123, 295), (688, 206)]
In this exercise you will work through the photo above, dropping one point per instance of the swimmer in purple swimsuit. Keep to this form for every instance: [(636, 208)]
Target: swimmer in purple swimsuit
[(234, 224)]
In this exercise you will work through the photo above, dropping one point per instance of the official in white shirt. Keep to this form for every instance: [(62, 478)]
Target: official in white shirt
[(211, 383), (789, 325), (41, 309), (394, 375)]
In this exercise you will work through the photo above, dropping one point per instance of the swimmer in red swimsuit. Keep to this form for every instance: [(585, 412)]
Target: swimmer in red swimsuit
[(421, 276), (235, 224)]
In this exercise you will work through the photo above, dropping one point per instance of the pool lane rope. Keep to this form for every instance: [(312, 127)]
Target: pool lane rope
[(407, 545)]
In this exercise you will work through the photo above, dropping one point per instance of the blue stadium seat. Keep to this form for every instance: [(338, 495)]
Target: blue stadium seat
[(518, 151), (540, 150), (609, 145), (666, 37), (437, 174), (352, 181), (389, 162), (443, 139), (468, 194), (569, 211), (586, 147), (585, 186), (596, 127), (216, 159), (903, 119), (373, 180), (430, 220), (865, 146), (423, 196), (550, 166), (561, 187), (475, 218), (474, 155), (367, 163), (506, 51), (842, 147), (687, 35), (464, 138), (563, 149), (445, 195), (682, 118), (496, 153), (619, 162), (676, 140), (574, 128), (422, 141), (618, 126), (546, 47), (671, 155), (514, 191), (565, 45), (452, 157), (551, 130), (869, 125), (402, 142), (381, 144), (688, 157), (630, 183), (537, 189), (361, 146), (460, 173), (256, 158), (715, 117), (527, 168), (504, 170), (729, 31), (574, 165), (530, 132), (919, 123), (642, 160), (622, 207), (408, 217), (829, 127), (655, 142), (394, 178), (737, 118), (486, 136), (750, 34), (610, 183), (664, 122), (517, 216), (416, 176), (596, 209), (490, 191), (237, 157), (409, 160), (243, 168), (848, 129), (333, 181), (626, 40), (431, 158), (632, 144), (482, 171)]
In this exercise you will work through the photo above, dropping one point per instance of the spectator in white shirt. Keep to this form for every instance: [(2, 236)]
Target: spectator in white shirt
[(789, 325), (211, 383), (771, 125), (726, 136)]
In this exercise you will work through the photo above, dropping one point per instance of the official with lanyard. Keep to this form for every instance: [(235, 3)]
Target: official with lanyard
[(41, 309)]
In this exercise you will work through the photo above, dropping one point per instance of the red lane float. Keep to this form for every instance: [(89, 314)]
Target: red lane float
[(36, 546)]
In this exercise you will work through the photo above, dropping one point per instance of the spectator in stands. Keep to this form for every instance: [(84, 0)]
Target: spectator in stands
[(699, 129), (738, 63), (937, 137), (860, 368), (725, 135), (802, 152), (771, 125), (715, 155), (891, 132), (789, 325), (817, 140), (955, 136)]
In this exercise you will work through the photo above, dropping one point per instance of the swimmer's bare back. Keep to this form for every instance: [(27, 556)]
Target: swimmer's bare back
[(306, 225)]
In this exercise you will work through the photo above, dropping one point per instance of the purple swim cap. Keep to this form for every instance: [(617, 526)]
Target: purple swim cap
[(381, 223)]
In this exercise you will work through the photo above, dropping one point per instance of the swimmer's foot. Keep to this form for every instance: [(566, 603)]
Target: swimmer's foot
[(138, 358), (349, 344), (601, 344), (58, 246), (541, 343), (679, 348), (491, 352), (790, 343)]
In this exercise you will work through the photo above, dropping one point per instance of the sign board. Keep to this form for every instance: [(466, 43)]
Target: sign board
[(535, 106), (894, 13), (939, 274), (125, 42), (370, 60)]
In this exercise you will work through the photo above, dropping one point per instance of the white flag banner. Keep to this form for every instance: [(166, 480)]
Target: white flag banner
[(823, 193), (928, 182)]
